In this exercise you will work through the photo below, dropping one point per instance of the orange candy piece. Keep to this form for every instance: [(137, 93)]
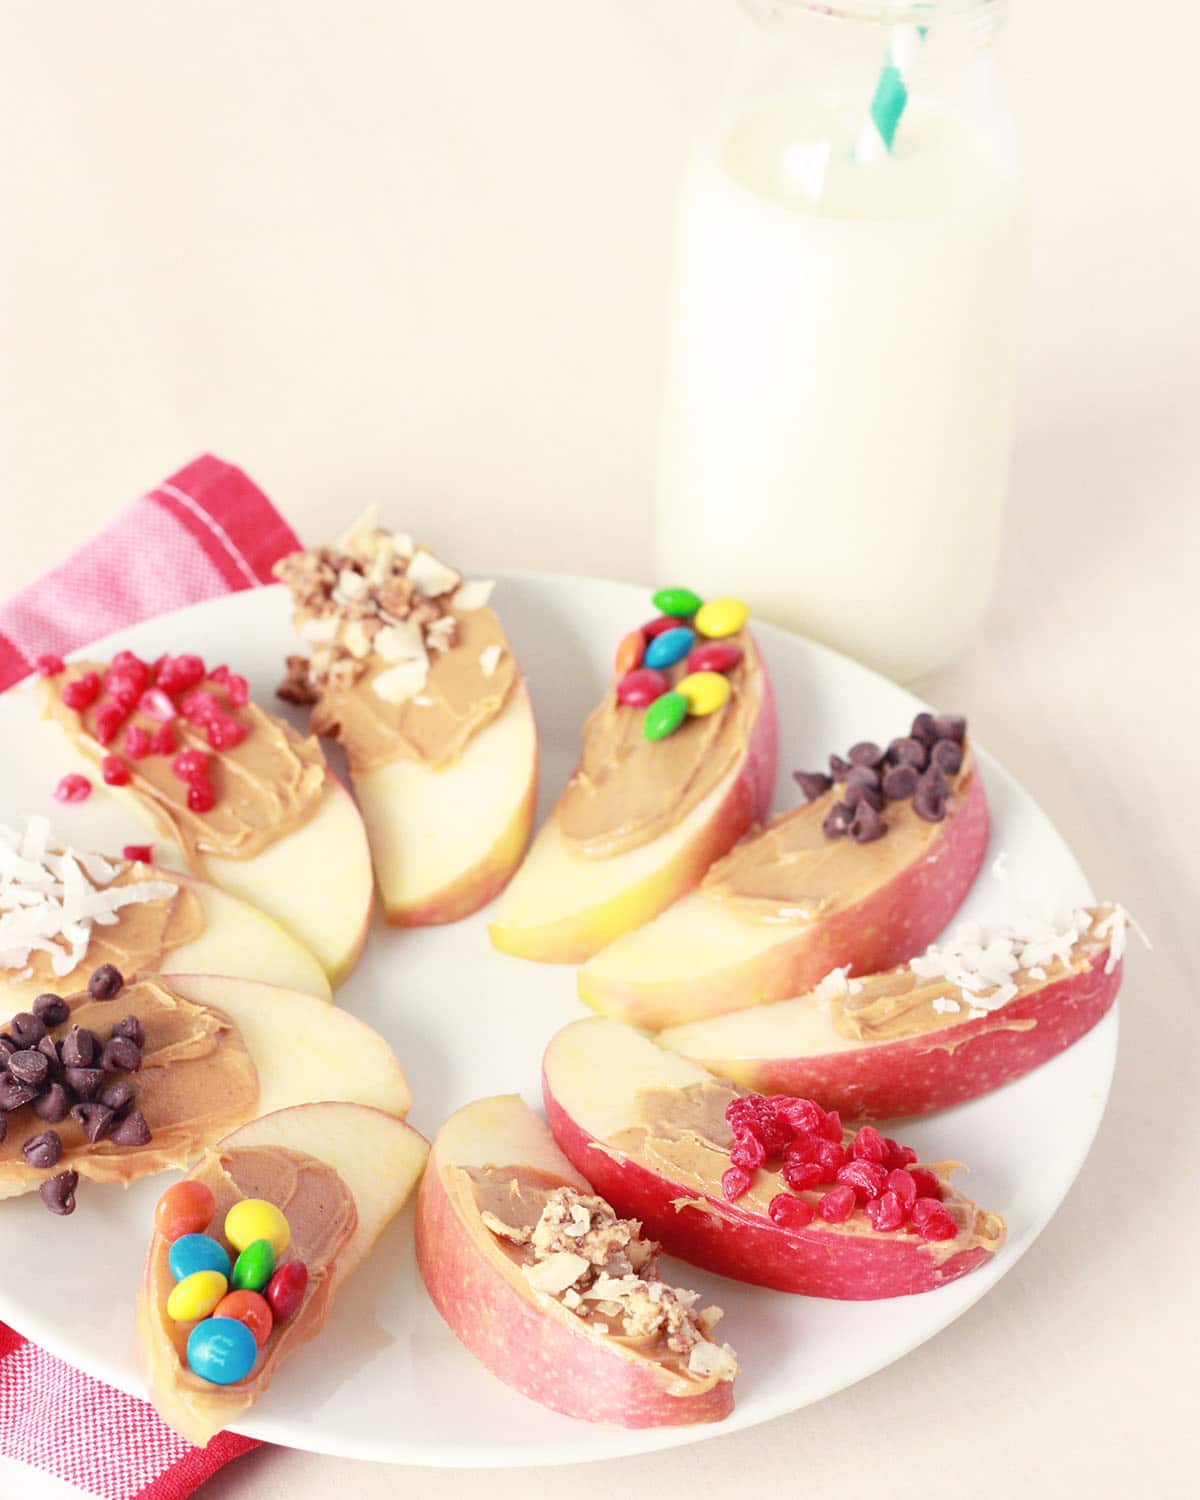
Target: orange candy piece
[(629, 652), (186, 1208), (250, 1308)]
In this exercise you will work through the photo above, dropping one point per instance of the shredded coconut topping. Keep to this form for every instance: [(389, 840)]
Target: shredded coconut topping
[(50, 899)]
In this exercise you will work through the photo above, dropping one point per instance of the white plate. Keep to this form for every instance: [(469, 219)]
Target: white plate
[(387, 1380)]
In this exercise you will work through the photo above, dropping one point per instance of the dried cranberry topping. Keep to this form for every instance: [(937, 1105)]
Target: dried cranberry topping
[(837, 1205), (155, 704), (748, 1152), (177, 674), (734, 1183), (932, 1220), (869, 1145), (224, 733), (237, 690), (886, 1212), (904, 1185), (137, 742), (162, 741), (140, 853), (200, 796), (800, 1176), (81, 692), (49, 664), (73, 788), (109, 718), (189, 764), (928, 1184), (789, 1212), (200, 707), (114, 771), (865, 1177)]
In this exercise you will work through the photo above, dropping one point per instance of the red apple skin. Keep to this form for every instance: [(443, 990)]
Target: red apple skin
[(819, 1261), (884, 929), (529, 1347), (914, 1076)]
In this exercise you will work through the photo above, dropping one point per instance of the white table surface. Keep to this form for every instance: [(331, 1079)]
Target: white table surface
[(1076, 1374)]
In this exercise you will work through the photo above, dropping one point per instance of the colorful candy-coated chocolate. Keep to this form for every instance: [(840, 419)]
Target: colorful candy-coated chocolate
[(721, 617), (254, 1267), (639, 688), (705, 692), (659, 624), (715, 656), (681, 603), (664, 716), (221, 1351), (629, 653), (186, 1208), (195, 1296), (672, 646), (285, 1290), (256, 1219), (249, 1308), (197, 1252)]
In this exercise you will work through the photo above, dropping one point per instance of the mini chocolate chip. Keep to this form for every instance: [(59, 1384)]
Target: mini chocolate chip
[(85, 1082), (3, 1127), (935, 781), (49, 1050), (133, 1130), (121, 1056), (7, 1045), (867, 825), (839, 768), (42, 1151), (58, 1193), (908, 752), (862, 776), (13, 1094), (923, 729), (858, 793), (78, 1048), (950, 727), (117, 1097), (813, 784), (106, 982), (865, 753), (946, 756), (929, 803), (53, 1106), (837, 820), (26, 1030), (95, 1120), (51, 1010), (131, 1027), (29, 1067), (900, 782)]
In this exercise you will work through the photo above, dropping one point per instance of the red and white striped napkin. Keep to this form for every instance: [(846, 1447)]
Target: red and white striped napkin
[(206, 531)]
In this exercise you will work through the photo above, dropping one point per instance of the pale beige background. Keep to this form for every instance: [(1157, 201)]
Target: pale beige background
[(417, 252)]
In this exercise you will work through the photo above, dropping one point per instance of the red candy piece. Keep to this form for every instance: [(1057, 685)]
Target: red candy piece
[(137, 742), (114, 771), (186, 1208), (629, 653), (155, 704), (640, 688), (237, 690), (109, 718), (200, 797), (249, 1308), (285, 1290), (189, 764), (82, 692), (177, 674), (142, 853), (73, 788), (714, 656), (162, 741), (789, 1212), (224, 734), (656, 626), (49, 664)]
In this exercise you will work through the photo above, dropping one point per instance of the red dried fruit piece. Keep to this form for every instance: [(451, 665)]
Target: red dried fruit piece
[(832, 1159), (806, 1117), (114, 771), (237, 690), (868, 1145), (200, 797), (928, 1183), (903, 1184), (748, 1152), (734, 1183), (162, 741), (179, 673), (932, 1220), (155, 704), (865, 1177), (837, 1205), (789, 1212), (129, 661), (200, 707), (127, 668), (224, 734), (805, 1148), (800, 1176), (219, 674), (189, 764), (73, 788), (753, 1114), (897, 1155), (108, 720), (137, 742), (141, 853), (831, 1129), (49, 664), (886, 1212), (81, 692)]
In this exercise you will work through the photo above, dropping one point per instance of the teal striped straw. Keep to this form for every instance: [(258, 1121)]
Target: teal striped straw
[(890, 97)]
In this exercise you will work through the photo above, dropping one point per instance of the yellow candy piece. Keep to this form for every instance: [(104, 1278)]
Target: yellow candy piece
[(256, 1219), (705, 692), (195, 1296), (721, 617)]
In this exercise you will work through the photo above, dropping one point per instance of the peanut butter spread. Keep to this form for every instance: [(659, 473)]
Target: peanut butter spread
[(322, 1216), (790, 871), (196, 1083), (572, 1247), (681, 1134), (265, 787), (407, 662), (628, 790)]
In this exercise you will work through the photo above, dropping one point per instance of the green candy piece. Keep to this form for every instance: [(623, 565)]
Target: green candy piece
[(681, 603), (254, 1267), (663, 717)]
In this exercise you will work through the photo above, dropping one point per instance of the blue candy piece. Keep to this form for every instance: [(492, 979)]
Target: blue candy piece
[(197, 1252), (669, 647), (221, 1350)]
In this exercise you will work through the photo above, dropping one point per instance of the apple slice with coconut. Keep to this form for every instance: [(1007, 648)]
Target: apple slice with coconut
[(804, 895), (769, 1191), (965, 1017), (376, 1161), (550, 1291)]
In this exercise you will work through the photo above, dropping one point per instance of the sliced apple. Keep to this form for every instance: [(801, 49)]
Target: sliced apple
[(445, 842), (529, 1339), (378, 1159), (901, 1044), (704, 956), (562, 907), (598, 1077)]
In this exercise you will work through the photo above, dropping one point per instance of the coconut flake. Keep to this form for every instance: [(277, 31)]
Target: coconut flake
[(402, 681), (402, 642), (473, 594), (489, 659), (430, 577), (944, 1005), (557, 1272)]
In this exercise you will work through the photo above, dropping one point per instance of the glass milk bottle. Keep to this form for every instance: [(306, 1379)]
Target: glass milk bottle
[(840, 370)]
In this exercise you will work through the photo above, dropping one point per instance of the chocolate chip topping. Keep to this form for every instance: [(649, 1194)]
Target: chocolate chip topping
[(7, 1046), (838, 767), (49, 1051), (868, 825), (117, 1097), (84, 1083), (58, 1193), (51, 1010), (3, 1128), (132, 1130), (26, 1030), (857, 793), (862, 776), (899, 782), (924, 729), (947, 756), (29, 1067), (813, 784), (106, 982), (131, 1027), (121, 1056), (929, 802), (52, 1106), (865, 753), (96, 1121), (43, 1151), (837, 820), (13, 1094), (908, 752), (950, 727), (78, 1048)]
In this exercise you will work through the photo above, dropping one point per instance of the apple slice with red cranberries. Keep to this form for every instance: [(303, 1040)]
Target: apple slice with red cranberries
[(549, 1289), (866, 873), (964, 1017), (769, 1191)]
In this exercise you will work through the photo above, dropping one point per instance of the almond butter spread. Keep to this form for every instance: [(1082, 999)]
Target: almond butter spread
[(265, 787), (628, 790), (322, 1216), (790, 871), (196, 1083), (681, 1134), (572, 1247)]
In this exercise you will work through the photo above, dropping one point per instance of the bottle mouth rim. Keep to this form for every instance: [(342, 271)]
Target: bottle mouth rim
[(880, 12)]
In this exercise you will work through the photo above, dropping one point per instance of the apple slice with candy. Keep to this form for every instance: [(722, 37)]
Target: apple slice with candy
[(770, 1191)]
